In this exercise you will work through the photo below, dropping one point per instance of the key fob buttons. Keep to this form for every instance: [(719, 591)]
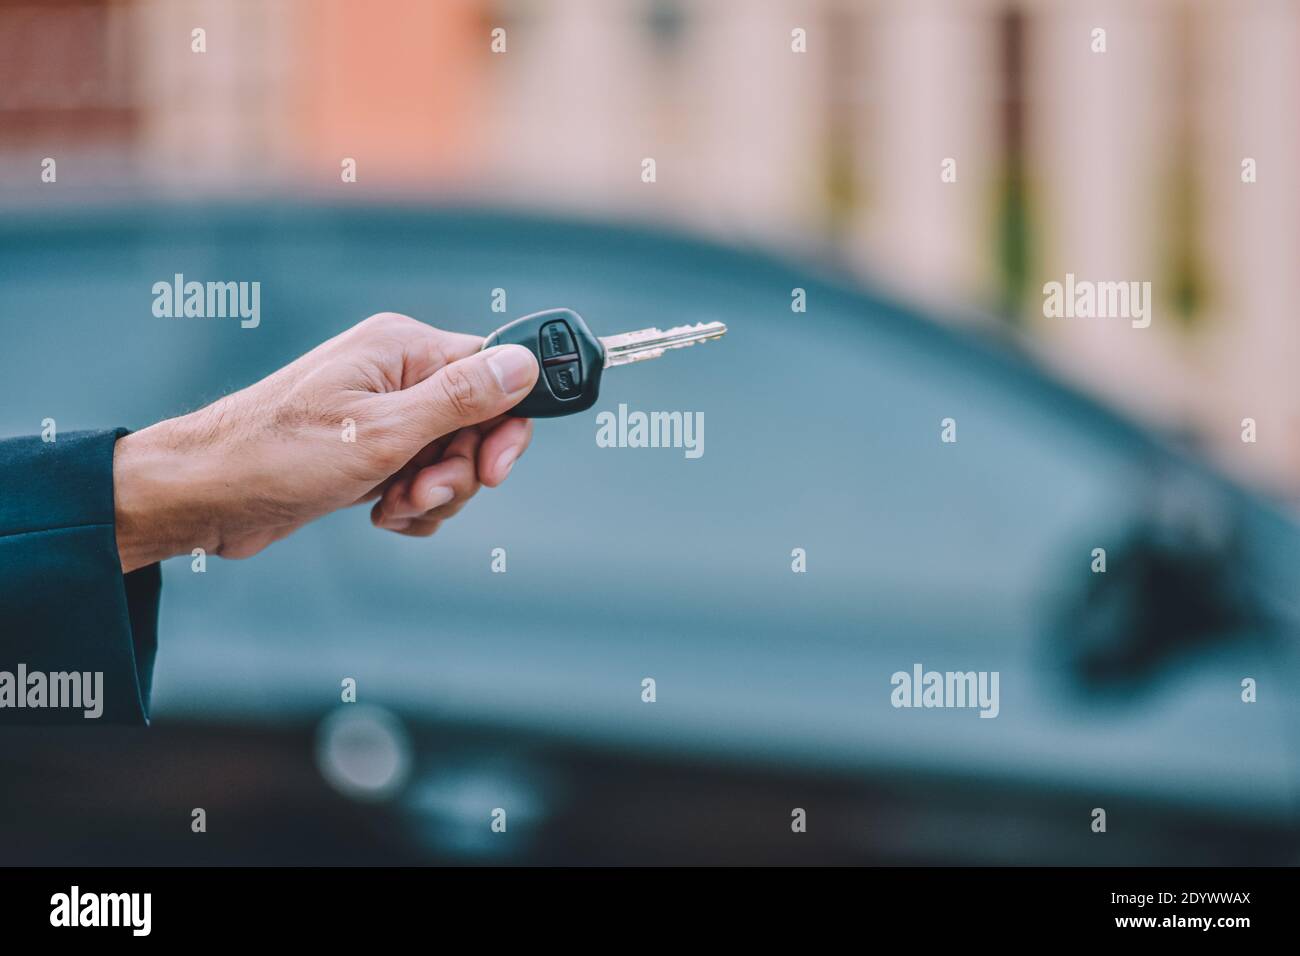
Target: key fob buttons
[(560, 360), (571, 361)]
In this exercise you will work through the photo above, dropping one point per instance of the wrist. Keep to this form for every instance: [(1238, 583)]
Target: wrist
[(160, 496)]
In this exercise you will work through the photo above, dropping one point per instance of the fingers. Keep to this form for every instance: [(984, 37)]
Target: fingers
[(440, 489), (419, 348), (465, 392), (445, 418), (418, 527), (455, 345), (422, 497), (427, 349), (501, 447)]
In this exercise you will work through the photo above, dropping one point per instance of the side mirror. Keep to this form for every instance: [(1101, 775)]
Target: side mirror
[(1178, 579)]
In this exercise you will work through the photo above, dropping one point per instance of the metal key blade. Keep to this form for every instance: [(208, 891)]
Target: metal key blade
[(651, 343)]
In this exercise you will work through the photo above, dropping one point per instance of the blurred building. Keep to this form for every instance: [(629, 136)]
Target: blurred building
[(1122, 164)]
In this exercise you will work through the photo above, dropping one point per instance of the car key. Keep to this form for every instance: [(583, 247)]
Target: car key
[(571, 359)]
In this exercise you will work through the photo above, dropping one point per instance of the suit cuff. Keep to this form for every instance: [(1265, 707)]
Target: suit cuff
[(65, 604)]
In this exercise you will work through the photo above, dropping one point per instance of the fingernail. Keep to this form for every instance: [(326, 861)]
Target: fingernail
[(506, 462), (513, 365), (438, 496)]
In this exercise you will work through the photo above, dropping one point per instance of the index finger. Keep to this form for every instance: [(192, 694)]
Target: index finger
[(455, 345)]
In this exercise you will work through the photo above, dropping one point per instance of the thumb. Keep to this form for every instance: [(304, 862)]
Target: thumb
[(468, 391)]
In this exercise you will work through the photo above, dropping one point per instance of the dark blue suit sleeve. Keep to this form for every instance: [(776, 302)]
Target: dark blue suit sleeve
[(65, 606)]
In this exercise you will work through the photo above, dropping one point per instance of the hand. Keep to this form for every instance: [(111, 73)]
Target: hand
[(423, 409)]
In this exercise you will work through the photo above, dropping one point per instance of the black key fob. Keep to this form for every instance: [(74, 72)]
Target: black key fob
[(570, 359)]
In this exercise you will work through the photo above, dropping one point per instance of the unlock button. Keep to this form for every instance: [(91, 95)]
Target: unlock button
[(556, 340)]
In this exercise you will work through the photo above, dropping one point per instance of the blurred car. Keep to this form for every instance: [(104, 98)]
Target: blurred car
[(480, 691)]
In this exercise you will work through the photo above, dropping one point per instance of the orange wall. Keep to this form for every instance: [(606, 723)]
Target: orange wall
[(398, 87)]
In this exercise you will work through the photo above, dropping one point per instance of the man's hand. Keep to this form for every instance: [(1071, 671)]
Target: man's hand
[(426, 408)]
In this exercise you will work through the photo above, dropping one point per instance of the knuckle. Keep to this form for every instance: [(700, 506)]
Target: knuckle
[(436, 353), (382, 322)]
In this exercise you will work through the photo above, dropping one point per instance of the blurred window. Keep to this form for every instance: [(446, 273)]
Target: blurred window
[(64, 72)]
